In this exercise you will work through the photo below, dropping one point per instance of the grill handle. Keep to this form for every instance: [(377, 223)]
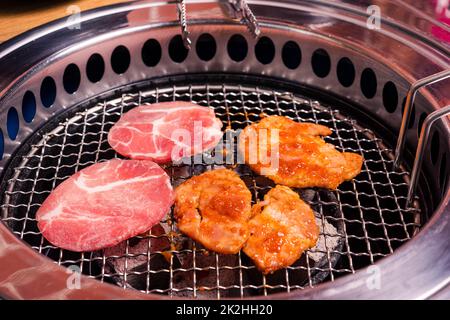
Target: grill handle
[(416, 86), (423, 142)]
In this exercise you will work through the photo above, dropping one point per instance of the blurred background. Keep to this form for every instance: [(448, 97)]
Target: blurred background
[(19, 16)]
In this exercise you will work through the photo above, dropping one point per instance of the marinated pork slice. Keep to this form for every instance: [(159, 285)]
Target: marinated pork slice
[(282, 228), (295, 155), (213, 209), (104, 204), (166, 131)]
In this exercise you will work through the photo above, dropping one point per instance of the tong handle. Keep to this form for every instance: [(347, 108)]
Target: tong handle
[(239, 9), (182, 17), (243, 12)]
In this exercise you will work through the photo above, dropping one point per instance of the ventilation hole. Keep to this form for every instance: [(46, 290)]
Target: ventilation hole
[(28, 106), (48, 92), (95, 68), (390, 97), (345, 72), (71, 78), (237, 48), (434, 147), (120, 59), (412, 119), (422, 118), (206, 47), (151, 52), (368, 83), (2, 144), (177, 52), (12, 123), (291, 55), (265, 50), (443, 176), (321, 63)]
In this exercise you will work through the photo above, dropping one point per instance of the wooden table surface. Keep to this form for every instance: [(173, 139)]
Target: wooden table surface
[(17, 16)]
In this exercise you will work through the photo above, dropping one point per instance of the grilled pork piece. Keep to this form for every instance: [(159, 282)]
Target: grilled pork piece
[(296, 154), (213, 209), (282, 228)]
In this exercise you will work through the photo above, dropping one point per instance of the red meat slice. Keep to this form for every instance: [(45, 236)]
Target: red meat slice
[(104, 204), (166, 131)]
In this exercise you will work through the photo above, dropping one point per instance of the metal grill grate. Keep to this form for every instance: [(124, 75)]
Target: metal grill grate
[(364, 220)]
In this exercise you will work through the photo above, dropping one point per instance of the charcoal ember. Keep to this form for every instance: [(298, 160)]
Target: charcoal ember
[(207, 278), (331, 238), (168, 247), (133, 262), (307, 195)]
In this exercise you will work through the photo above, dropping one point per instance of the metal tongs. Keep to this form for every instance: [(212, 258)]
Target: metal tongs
[(182, 17), (237, 9)]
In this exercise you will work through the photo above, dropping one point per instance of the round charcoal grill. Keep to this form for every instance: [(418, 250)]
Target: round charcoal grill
[(63, 87)]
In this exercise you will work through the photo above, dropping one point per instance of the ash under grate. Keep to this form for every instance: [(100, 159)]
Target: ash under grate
[(364, 220)]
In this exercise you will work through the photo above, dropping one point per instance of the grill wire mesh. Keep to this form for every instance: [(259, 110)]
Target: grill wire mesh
[(368, 216)]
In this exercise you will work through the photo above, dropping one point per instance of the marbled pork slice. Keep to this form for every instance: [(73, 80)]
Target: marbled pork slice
[(166, 131), (104, 204)]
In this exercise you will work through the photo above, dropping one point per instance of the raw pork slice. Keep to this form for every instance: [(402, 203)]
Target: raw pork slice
[(104, 204), (166, 131)]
